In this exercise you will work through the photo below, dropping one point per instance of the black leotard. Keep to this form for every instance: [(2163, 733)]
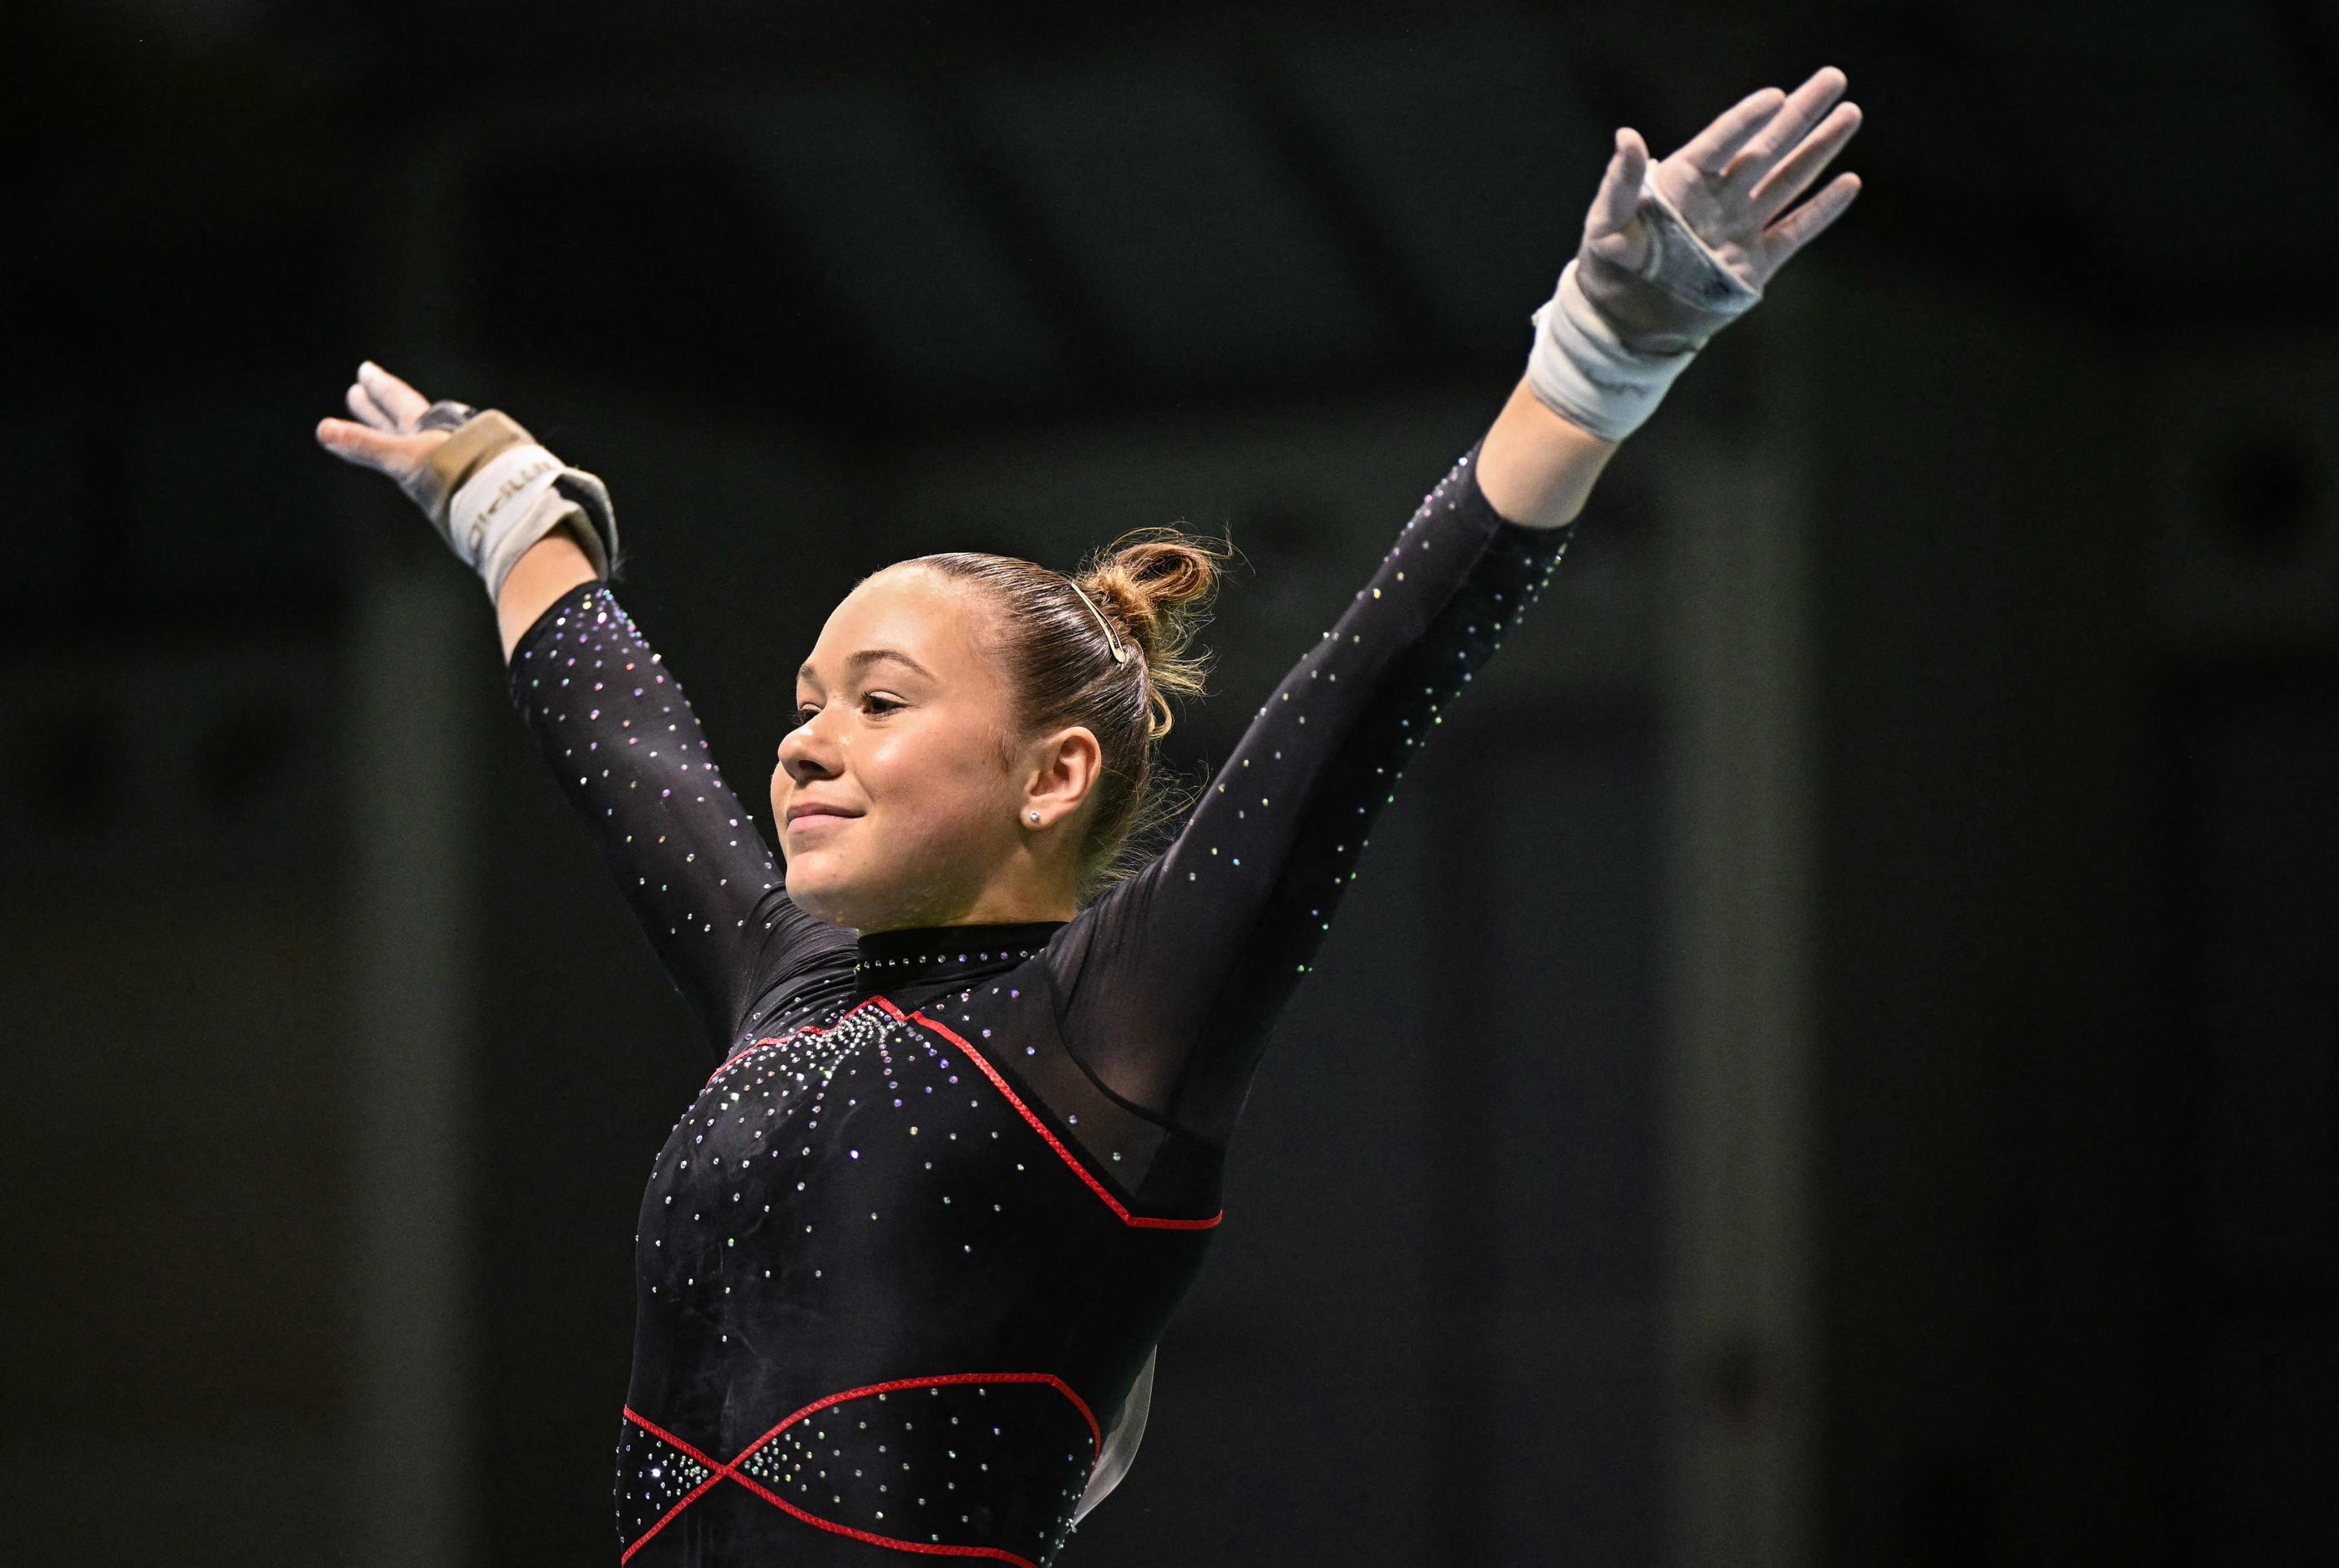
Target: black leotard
[(901, 1261)]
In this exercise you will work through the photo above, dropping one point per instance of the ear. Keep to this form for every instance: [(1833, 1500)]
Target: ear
[(1065, 767)]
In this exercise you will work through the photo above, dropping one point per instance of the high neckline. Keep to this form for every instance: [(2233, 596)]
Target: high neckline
[(936, 951)]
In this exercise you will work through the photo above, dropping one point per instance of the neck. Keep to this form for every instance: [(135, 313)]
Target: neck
[(1010, 900)]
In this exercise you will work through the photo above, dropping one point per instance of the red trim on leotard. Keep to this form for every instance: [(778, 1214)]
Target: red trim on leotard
[(752, 1046), (1140, 1221), (718, 1471), (1082, 1171)]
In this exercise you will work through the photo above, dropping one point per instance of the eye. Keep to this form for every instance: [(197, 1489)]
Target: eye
[(885, 705)]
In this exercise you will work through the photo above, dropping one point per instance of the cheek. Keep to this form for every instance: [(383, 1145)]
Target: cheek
[(935, 786)]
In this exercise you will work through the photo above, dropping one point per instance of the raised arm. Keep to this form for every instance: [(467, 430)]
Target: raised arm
[(609, 717), (619, 738), (1172, 979), (1172, 990)]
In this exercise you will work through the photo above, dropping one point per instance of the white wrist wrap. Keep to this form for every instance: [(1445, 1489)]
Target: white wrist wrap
[(514, 499), (1583, 371), (1610, 342)]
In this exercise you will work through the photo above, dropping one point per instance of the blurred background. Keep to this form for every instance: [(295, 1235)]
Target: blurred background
[(1832, 1061)]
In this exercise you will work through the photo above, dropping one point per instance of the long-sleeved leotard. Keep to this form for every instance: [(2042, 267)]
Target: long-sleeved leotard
[(903, 1260)]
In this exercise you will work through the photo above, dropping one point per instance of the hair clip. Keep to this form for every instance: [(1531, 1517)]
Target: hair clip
[(1119, 652)]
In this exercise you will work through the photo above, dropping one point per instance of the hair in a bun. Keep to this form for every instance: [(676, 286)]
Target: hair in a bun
[(1152, 587)]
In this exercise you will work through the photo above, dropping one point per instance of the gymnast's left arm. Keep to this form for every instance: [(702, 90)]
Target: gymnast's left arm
[(1673, 252), (1191, 960)]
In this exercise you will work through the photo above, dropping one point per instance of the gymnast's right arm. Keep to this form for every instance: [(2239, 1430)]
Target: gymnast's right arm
[(608, 716)]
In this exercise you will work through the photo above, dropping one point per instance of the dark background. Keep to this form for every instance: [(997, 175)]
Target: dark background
[(1831, 1062)]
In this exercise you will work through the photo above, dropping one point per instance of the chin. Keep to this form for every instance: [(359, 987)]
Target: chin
[(818, 898), (807, 889)]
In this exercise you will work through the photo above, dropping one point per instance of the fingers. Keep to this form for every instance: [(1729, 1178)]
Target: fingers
[(368, 411), (1791, 178), (1788, 127), (1799, 228), (401, 402), (392, 454), (1619, 195), (354, 443), (1711, 147)]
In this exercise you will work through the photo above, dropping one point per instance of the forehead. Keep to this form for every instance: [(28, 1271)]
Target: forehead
[(928, 616)]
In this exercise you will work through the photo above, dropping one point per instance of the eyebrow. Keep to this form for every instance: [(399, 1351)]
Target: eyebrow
[(854, 662)]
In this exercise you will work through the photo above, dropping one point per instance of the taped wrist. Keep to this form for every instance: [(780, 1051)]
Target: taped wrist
[(477, 439), (493, 492), (1611, 340), (1581, 370)]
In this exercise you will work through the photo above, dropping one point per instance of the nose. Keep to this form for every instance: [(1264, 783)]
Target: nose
[(803, 753)]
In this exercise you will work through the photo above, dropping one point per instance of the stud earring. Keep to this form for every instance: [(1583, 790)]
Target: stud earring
[(1035, 816)]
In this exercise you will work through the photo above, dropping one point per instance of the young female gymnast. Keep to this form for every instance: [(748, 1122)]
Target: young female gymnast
[(903, 1264)]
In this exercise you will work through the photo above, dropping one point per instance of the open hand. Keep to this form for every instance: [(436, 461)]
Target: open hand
[(396, 428), (1733, 179)]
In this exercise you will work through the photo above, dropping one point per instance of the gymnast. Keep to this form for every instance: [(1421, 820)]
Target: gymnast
[(975, 1063)]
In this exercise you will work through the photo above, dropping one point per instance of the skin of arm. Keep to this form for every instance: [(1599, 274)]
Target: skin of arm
[(552, 565), (1537, 467)]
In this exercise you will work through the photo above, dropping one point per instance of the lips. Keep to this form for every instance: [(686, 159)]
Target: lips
[(807, 810)]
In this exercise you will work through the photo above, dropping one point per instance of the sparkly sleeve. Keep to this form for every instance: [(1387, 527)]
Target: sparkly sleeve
[(621, 740), (1172, 979)]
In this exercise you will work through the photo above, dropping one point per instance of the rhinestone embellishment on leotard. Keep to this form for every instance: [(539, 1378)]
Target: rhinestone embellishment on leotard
[(949, 1464), (937, 957)]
